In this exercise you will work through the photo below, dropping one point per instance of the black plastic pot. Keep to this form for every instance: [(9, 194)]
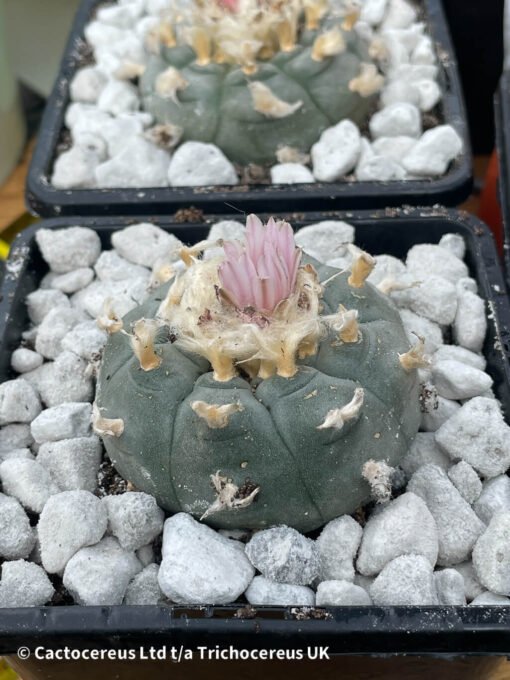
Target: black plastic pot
[(451, 189), (369, 630), (502, 113)]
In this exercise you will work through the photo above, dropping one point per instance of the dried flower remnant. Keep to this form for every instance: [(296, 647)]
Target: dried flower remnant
[(368, 82), (142, 341), (267, 103), (415, 357), (111, 427), (228, 496), (216, 416), (109, 321), (378, 474), (336, 418)]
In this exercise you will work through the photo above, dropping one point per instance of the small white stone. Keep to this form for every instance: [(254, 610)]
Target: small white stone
[(28, 481), (337, 151), (424, 450), (16, 436), (40, 302), (416, 325), (472, 586), (411, 74), (400, 14), (70, 520), (16, 535), (470, 325), (24, 584), (291, 173), (99, 34), (425, 260), (430, 94), (198, 164), (64, 379), (228, 230), (99, 575), (110, 266), (433, 152), (125, 296), (134, 518), (424, 52), (16, 453), (479, 435), (86, 340), (406, 580), (122, 16), (140, 164), (146, 554), (393, 147), (144, 588), (284, 555), (326, 239), (128, 49), (73, 281), (90, 141), (403, 527), (144, 243), (373, 11), (201, 566), (54, 327), (75, 169), (65, 421), (400, 92), (450, 587), (337, 546), (341, 594), (466, 481), (19, 402), (87, 84), (488, 599), (73, 463), (24, 360), (386, 267), (455, 243), (85, 118), (396, 120), (491, 555), (456, 380), (68, 249), (379, 169), (456, 353), (118, 97), (263, 591), (467, 284), (434, 298), (495, 497), (117, 130), (457, 525)]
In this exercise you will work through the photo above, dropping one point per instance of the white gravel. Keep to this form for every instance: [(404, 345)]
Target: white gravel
[(264, 591)]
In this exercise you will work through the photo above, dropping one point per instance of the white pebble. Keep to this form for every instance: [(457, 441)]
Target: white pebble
[(28, 481), (434, 298), (69, 521), (86, 340), (472, 586), (87, 84), (118, 97), (73, 463), (227, 230), (470, 325), (373, 11), (455, 243), (140, 164), (262, 591), (85, 118), (68, 249), (400, 14), (450, 587), (456, 380), (73, 281), (456, 353), (24, 360), (379, 169), (400, 92), (198, 164), (341, 594), (466, 481), (495, 497), (337, 152), (479, 435), (24, 584), (62, 380), (406, 580), (16, 536), (110, 266), (117, 130), (491, 555), (430, 94), (424, 450), (326, 239), (134, 519), (65, 421), (488, 599), (125, 296), (75, 169), (393, 147), (16, 436), (16, 453), (41, 302), (425, 260), (403, 527), (200, 565), (396, 120), (146, 554), (436, 410), (291, 173), (457, 525), (424, 52), (144, 588), (284, 555), (416, 325), (54, 327), (144, 243), (122, 16), (467, 284), (433, 152), (19, 402), (99, 575), (337, 546)]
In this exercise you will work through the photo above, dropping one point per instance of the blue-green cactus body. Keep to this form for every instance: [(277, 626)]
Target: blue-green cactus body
[(306, 476)]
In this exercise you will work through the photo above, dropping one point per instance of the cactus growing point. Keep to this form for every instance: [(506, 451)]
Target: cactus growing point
[(252, 388)]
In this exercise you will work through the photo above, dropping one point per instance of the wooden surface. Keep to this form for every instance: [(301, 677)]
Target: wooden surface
[(12, 210)]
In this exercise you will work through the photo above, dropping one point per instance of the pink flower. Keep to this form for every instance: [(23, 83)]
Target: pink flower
[(231, 5), (263, 272)]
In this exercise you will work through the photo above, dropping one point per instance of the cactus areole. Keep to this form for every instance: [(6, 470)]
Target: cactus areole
[(253, 76), (252, 387)]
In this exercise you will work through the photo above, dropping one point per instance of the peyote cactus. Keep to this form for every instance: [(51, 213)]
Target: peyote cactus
[(253, 388), (256, 76)]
